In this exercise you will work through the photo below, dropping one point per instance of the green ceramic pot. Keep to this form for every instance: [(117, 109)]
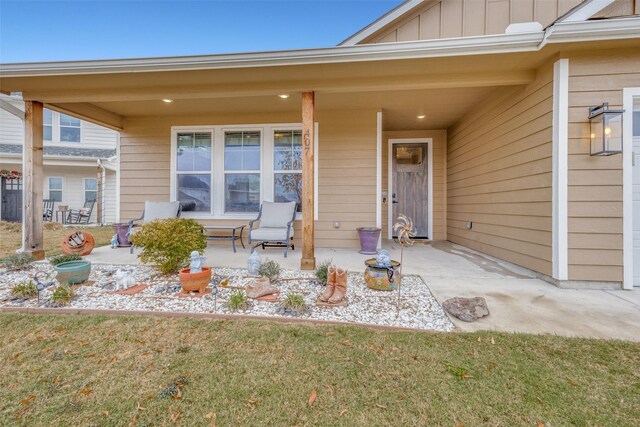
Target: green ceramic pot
[(73, 272)]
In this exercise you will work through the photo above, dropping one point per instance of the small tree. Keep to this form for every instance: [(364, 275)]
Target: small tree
[(167, 243)]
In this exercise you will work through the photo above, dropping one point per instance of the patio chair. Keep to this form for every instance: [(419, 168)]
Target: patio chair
[(276, 226), (81, 216), (153, 211), (47, 209)]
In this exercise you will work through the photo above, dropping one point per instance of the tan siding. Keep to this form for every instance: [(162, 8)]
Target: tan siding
[(499, 175), (457, 18), (346, 162), (595, 183), (11, 128)]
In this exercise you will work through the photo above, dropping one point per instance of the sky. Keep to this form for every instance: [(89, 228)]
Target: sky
[(32, 31)]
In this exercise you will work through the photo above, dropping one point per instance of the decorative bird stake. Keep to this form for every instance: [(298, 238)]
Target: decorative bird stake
[(405, 231)]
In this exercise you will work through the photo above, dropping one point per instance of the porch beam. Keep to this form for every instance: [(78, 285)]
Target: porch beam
[(32, 153), (90, 113), (308, 261)]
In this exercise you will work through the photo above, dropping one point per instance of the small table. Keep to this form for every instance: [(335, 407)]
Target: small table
[(63, 215), (234, 234)]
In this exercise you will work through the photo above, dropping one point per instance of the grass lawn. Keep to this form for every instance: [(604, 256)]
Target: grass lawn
[(12, 235), (110, 370)]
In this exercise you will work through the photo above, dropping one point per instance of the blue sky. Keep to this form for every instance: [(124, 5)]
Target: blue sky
[(88, 29)]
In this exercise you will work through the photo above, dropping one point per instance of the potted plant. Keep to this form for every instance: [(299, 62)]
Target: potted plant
[(197, 277), (369, 237)]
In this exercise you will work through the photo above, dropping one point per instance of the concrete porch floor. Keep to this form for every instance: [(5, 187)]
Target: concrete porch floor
[(518, 302)]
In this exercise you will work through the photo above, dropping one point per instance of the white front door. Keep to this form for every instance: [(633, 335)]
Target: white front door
[(636, 193)]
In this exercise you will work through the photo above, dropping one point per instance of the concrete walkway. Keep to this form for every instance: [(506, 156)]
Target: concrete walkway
[(518, 302)]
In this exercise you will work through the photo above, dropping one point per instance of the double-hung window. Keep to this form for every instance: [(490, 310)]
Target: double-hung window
[(242, 171), (90, 189), (287, 166), (59, 127), (47, 125), (193, 170), (69, 128), (55, 188)]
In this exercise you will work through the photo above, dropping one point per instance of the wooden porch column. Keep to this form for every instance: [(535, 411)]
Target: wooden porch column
[(32, 180), (308, 261)]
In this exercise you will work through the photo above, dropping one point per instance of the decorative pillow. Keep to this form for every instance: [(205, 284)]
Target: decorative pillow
[(84, 212)]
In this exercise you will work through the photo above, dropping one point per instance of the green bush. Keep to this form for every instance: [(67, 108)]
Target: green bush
[(295, 302), (62, 295), (322, 272), (238, 301), (26, 290), (269, 269), (167, 243), (59, 259), (17, 261)]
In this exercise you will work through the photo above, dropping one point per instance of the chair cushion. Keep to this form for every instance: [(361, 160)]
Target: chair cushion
[(160, 210), (264, 234), (276, 215)]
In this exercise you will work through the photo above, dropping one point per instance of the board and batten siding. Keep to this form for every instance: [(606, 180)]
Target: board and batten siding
[(595, 183), (439, 138), (346, 168), (499, 175), (462, 18)]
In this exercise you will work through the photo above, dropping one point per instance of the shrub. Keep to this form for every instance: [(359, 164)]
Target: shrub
[(26, 290), (322, 272), (238, 301), (17, 261), (269, 269), (167, 243), (62, 295), (59, 259), (49, 226), (295, 302)]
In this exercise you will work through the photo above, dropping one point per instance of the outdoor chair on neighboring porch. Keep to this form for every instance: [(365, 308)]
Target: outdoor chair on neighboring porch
[(153, 211), (81, 216), (47, 209), (276, 225)]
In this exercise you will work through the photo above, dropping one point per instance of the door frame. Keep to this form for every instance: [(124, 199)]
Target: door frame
[(627, 185), (429, 142)]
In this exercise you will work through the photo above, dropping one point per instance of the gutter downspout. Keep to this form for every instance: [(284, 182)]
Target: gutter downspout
[(101, 190)]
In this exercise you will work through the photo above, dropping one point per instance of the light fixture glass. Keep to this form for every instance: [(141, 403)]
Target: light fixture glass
[(283, 95), (606, 130), (168, 101), (421, 116)]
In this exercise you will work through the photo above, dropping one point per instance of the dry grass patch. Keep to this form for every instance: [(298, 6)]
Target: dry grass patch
[(102, 370)]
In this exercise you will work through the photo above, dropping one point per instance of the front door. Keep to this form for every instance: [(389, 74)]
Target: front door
[(11, 199), (411, 185)]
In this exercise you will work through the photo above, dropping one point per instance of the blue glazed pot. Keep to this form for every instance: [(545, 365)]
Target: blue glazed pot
[(73, 272)]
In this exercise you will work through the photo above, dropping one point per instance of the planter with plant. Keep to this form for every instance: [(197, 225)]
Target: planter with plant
[(73, 272), (293, 305), (168, 243), (59, 259), (238, 301)]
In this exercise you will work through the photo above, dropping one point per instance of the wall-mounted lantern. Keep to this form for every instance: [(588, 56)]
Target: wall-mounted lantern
[(606, 130)]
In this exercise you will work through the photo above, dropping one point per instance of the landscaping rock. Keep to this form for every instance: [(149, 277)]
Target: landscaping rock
[(467, 309)]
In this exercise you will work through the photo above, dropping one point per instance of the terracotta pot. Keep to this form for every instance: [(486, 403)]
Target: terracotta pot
[(78, 242), (195, 282)]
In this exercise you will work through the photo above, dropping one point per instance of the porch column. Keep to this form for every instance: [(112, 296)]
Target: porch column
[(308, 261), (32, 152)]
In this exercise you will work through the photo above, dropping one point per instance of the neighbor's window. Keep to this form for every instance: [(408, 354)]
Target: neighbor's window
[(242, 171), (47, 125), (193, 164), (90, 189), (69, 128), (55, 188), (287, 166), (636, 123)]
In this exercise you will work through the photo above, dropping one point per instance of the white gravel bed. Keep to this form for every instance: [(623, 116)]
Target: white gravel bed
[(418, 309)]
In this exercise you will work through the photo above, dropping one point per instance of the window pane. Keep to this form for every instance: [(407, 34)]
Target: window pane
[(90, 183), (47, 117), (194, 192), (636, 123), (409, 155), (287, 150), (69, 121), (90, 196), (242, 192), (194, 152), (288, 188), (55, 183), (68, 134), (47, 133), (242, 151), (55, 195)]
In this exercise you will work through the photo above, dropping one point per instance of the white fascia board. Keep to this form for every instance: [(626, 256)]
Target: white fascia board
[(585, 10), (603, 29), (381, 22), (50, 160)]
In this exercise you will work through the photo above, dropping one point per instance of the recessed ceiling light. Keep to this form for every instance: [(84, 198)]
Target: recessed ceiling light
[(283, 95), (421, 116), (168, 101)]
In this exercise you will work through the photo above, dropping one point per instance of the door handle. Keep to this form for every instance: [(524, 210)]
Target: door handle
[(395, 201)]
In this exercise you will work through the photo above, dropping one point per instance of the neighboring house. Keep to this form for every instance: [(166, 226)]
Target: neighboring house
[(72, 149), (472, 117)]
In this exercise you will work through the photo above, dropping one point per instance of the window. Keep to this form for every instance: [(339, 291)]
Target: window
[(55, 188), (636, 123), (69, 128), (287, 166), (90, 189), (47, 125), (241, 171), (193, 164)]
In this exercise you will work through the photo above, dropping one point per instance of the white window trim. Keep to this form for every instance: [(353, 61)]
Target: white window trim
[(61, 189), (429, 142), (55, 130), (218, 172), (629, 94)]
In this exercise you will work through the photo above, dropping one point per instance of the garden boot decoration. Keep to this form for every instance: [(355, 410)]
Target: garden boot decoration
[(341, 287), (330, 286)]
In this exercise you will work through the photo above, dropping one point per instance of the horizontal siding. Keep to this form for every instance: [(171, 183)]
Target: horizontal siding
[(595, 183), (499, 175), (11, 128)]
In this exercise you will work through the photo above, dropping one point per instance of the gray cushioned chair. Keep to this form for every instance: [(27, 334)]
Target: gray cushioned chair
[(276, 225), (153, 211)]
